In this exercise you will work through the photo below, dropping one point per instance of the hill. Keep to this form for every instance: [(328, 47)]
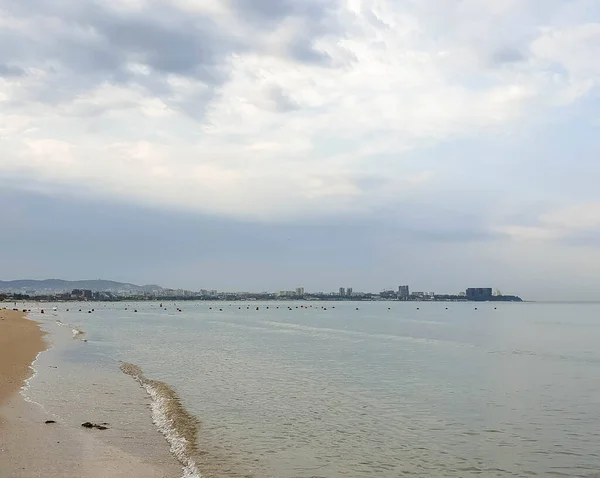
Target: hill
[(59, 285)]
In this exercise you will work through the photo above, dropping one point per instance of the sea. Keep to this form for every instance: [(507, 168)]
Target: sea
[(331, 389)]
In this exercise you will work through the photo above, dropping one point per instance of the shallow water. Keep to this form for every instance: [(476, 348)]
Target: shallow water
[(335, 391)]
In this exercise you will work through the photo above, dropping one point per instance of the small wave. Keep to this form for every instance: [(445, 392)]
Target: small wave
[(179, 427), (76, 331), (359, 334), (27, 384)]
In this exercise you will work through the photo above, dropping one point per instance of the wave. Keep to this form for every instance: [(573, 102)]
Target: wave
[(358, 334), (27, 383), (24, 391), (76, 331), (178, 426)]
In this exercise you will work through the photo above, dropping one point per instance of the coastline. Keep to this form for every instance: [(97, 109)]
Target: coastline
[(21, 340), (30, 447)]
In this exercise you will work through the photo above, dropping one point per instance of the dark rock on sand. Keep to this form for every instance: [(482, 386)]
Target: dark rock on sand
[(94, 425)]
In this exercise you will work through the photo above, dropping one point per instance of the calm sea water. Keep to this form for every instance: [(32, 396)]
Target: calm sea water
[(341, 389)]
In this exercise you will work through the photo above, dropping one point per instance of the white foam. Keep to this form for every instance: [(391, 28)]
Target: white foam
[(77, 332), (356, 333), (74, 330), (27, 385), (165, 425), (27, 382)]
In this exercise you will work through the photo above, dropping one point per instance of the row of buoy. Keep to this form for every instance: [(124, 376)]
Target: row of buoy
[(221, 310)]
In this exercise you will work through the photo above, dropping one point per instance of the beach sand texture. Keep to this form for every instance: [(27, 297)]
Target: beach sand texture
[(30, 448), (20, 342)]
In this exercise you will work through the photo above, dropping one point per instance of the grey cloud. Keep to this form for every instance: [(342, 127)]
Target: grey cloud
[(507, 55), (453, 228), (283, 103), (374, 19), (168, 41), (8, 71), (306, 53), (586, 239), (92, 44), (269, 12), (95, 45), (319, 17)]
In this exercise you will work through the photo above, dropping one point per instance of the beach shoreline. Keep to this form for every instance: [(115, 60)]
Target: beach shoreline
[(36, 443), (21, 340)]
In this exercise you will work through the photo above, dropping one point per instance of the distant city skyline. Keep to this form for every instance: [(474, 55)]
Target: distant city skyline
[(99, 290), (80, 286)]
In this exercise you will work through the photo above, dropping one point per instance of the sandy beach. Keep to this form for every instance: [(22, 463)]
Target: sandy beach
[(30, 447), (20, 342)]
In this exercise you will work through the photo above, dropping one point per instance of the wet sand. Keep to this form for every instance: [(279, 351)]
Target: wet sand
[(30, 447), (20, 342)]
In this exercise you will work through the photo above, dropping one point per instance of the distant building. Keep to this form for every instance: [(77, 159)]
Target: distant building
[(403, 292), (342, 292), (82, 294), (419, 295), (299, 291), (349, 291), (479, 293)]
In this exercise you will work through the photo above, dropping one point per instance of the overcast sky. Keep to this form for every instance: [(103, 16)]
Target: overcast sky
[(268, 144)]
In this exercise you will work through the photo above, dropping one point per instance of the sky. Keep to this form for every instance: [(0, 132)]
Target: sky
[(269, 144)]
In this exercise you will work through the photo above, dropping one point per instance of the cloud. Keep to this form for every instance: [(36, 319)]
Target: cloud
[(571, 224), (276, 110), (8, 71), (506, 55)]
